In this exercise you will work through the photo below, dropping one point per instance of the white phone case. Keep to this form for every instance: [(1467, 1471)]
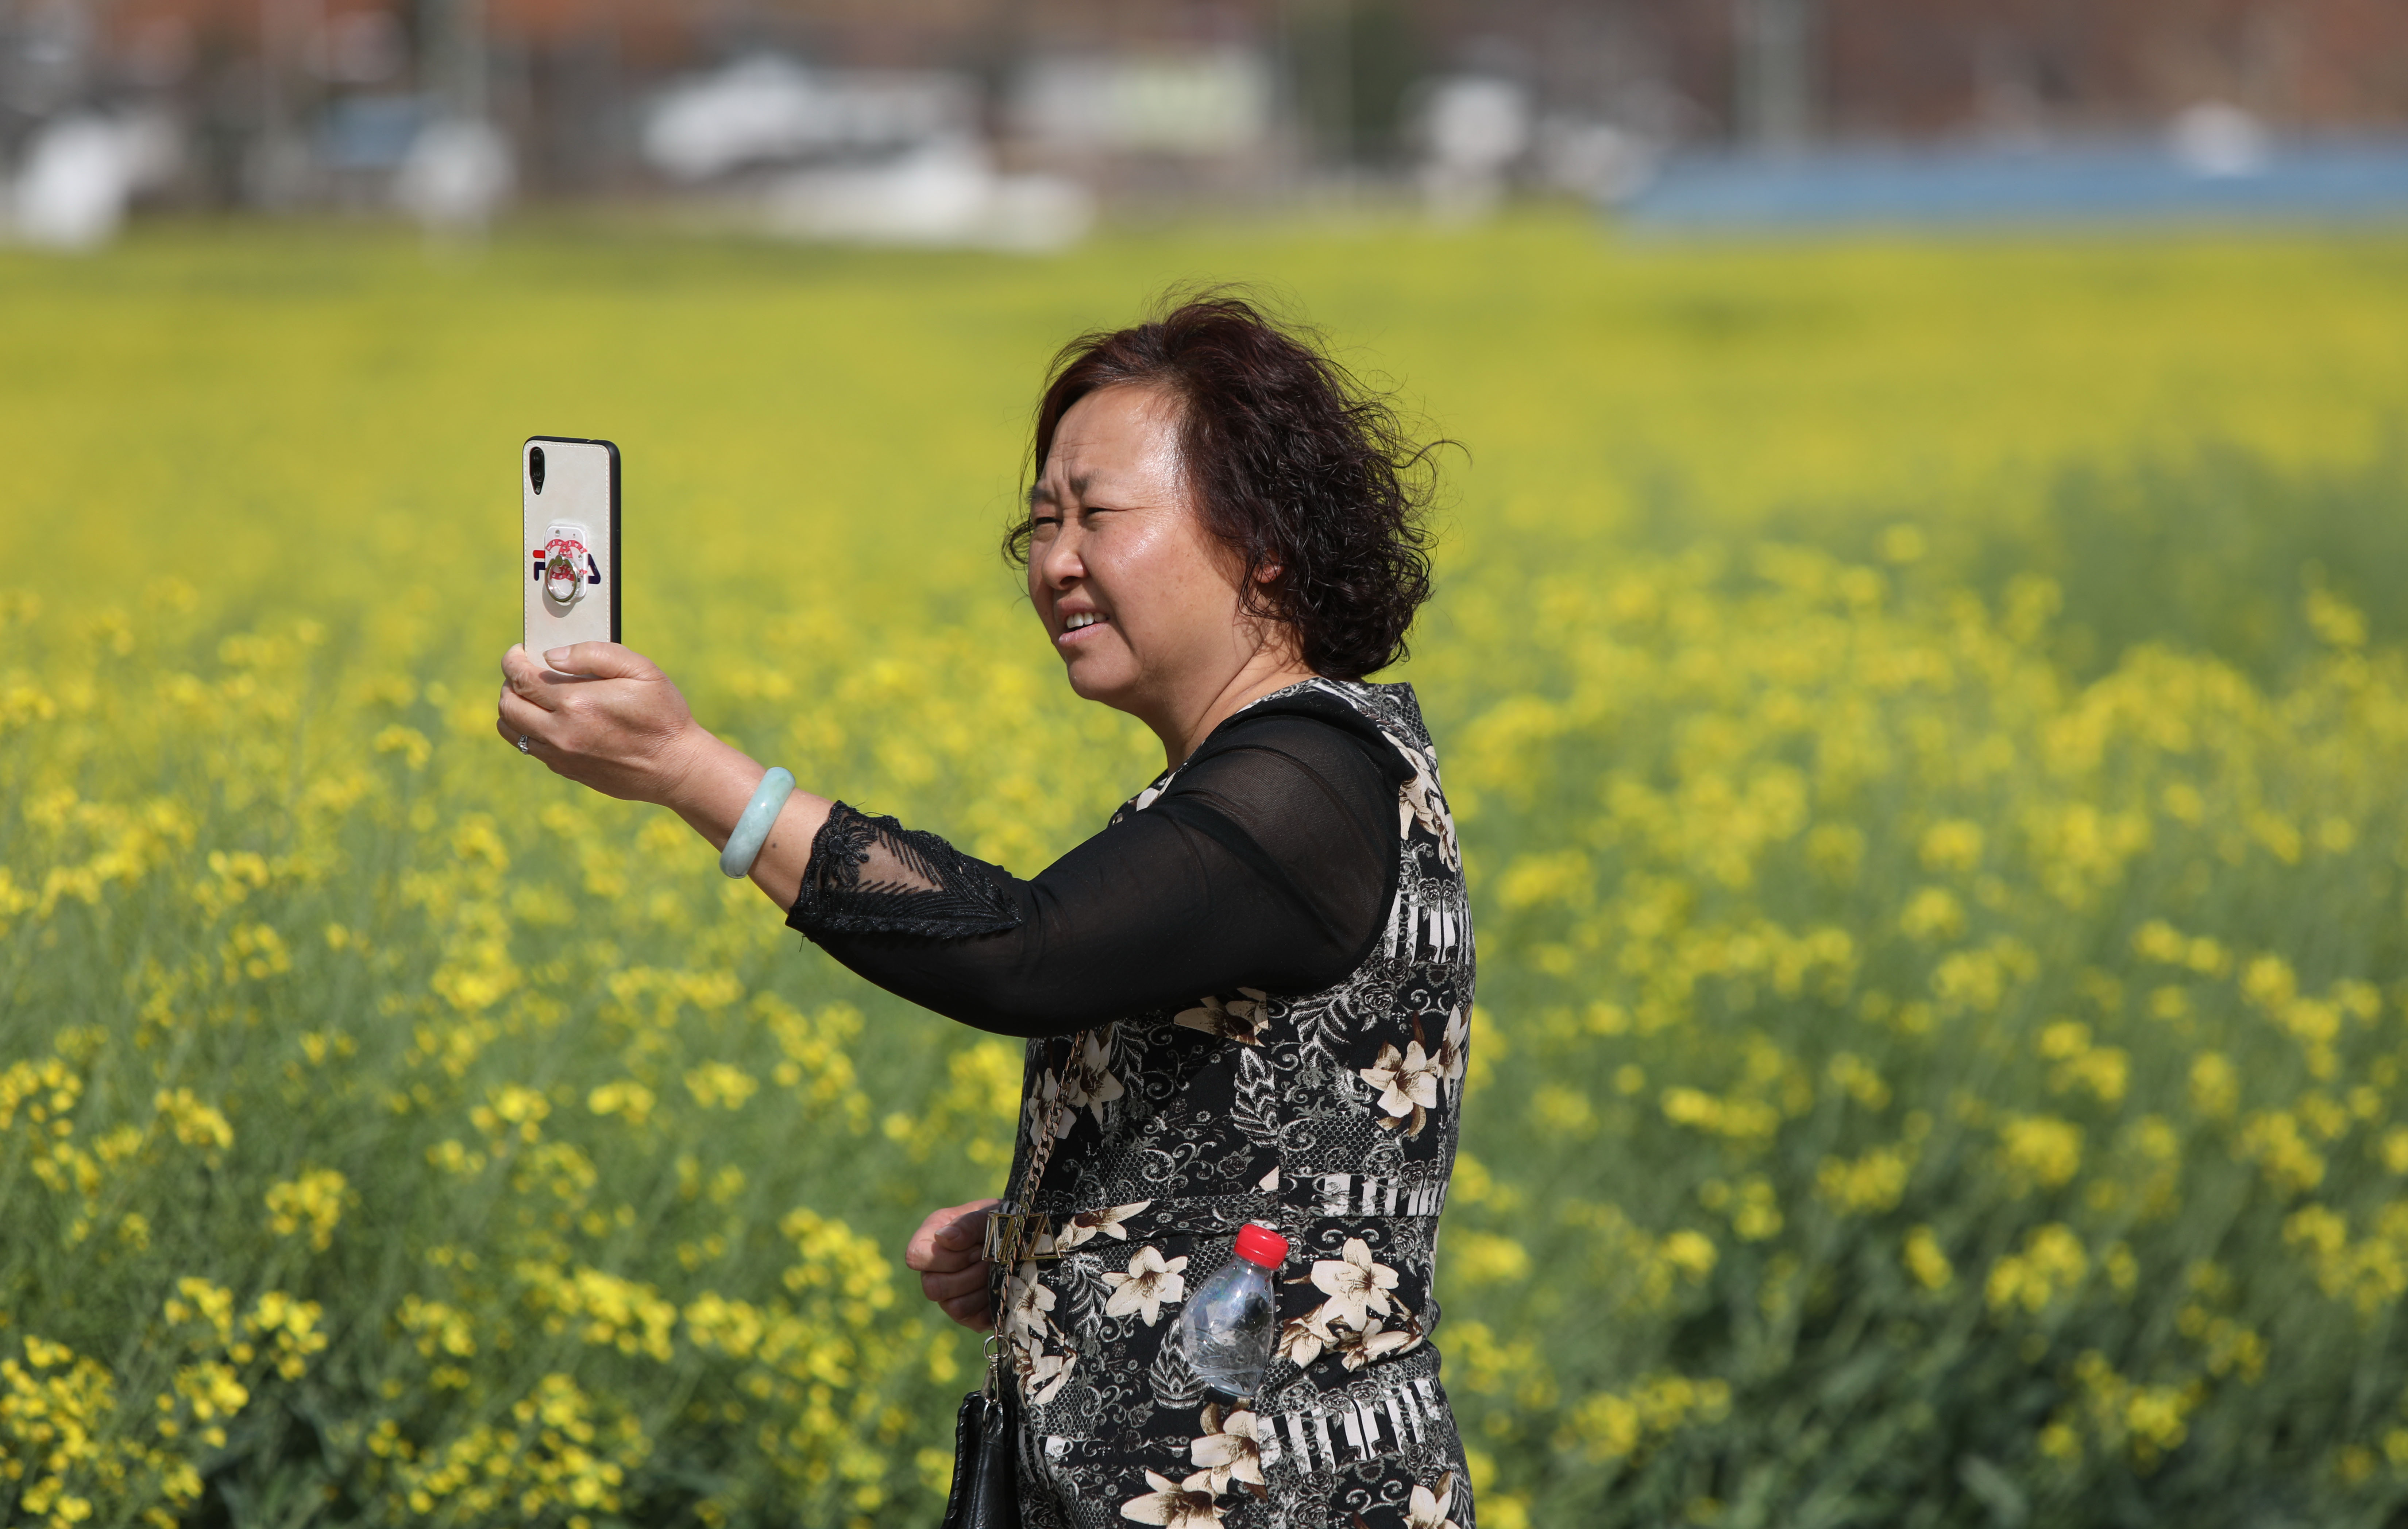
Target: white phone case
[(568, 562)]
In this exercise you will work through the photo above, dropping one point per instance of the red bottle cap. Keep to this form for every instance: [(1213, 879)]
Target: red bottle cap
[(1261, 1245)]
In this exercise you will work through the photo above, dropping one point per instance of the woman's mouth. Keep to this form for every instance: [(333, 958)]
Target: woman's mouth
[(1075, 626)]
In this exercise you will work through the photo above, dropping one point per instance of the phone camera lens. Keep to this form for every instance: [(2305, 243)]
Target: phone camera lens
[(535, 467)]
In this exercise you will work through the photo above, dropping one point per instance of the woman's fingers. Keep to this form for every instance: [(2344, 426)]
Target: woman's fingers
[(511, 734), (600, 661), (518, 717), (947, 1250), (612, 722), (971, 1313), (945, 1287), (920, 1250), (523, 677), (950, 1239), (966, 1231), (545, 682)]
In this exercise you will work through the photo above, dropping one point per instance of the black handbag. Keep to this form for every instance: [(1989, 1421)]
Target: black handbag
[(986, 1446), (986, 1431)]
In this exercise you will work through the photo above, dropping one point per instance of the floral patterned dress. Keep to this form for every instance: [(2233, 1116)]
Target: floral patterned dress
[(1330, 1116)]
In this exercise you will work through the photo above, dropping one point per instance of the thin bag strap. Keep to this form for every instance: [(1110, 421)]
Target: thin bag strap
[(1009, 1238), (1040, 1152), (1040, 1149)]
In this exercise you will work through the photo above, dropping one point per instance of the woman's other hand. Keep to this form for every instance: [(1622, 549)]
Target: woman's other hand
[(601, 714), (950, 1252)]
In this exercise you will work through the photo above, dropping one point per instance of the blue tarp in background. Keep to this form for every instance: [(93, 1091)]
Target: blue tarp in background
[(2338, 181)]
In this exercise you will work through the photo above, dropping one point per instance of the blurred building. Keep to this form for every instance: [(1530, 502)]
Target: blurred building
[(325, 102)]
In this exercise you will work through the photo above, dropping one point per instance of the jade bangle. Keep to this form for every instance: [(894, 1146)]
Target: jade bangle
[(753, 829)]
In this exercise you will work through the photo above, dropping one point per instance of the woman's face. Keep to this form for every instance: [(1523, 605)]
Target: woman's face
[(1139, 598)]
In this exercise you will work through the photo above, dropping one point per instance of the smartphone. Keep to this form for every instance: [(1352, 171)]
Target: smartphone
[(569, 490)]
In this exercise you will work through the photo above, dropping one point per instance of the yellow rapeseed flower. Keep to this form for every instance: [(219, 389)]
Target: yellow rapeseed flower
[(1926, 1262), (2051, 1265), (313, 1200), (2041, 1149)]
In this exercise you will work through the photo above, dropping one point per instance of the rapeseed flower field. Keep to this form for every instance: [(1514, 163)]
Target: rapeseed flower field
[(1927, 724)]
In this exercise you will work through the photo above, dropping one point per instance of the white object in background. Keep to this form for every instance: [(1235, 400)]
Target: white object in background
[(1199, 101), (80, 173), (456, 175), (931, 195), (1477, 122), (945, 194), (1595, 158), (765, 108), (2217, 141), (1474, 127), (755, 109), (1033, 214)]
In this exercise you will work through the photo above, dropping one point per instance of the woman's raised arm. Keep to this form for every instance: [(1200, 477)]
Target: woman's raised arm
[(605, 716), (1268, 863)]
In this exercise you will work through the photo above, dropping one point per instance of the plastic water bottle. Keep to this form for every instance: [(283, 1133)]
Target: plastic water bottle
[(1226, 1327)]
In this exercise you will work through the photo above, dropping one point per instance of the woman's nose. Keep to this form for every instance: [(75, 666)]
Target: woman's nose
[(1058, 561)]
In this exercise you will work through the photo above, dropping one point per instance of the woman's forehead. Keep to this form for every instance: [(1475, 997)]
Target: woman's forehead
[(1112, 434)]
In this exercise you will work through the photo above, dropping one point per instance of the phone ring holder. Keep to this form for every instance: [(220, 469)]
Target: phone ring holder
[(562, 579)]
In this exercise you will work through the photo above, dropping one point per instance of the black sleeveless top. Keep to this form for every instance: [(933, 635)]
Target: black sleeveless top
[(1248, 999)]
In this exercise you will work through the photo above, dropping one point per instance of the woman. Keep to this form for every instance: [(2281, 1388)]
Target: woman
[(1246, 999)]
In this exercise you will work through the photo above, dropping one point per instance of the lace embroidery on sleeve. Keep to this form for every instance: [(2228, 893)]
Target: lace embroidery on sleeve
[(872, 876)]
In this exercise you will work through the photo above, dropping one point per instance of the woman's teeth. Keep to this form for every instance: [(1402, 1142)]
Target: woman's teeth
[(1084, 618)]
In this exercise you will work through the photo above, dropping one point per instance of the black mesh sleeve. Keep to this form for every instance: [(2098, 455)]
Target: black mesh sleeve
[(872, 876), (1268, 862)]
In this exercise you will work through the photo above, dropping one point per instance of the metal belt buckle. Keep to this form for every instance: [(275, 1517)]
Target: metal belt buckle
[(1021, 1239)]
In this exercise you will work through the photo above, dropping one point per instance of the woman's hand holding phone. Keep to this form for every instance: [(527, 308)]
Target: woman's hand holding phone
[(604, 716), (600, 714)]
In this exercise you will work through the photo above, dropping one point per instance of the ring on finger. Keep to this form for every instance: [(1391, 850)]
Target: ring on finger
[(527, 745)]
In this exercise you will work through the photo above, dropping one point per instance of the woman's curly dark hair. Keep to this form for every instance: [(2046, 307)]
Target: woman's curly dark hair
[(1304, 472)]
